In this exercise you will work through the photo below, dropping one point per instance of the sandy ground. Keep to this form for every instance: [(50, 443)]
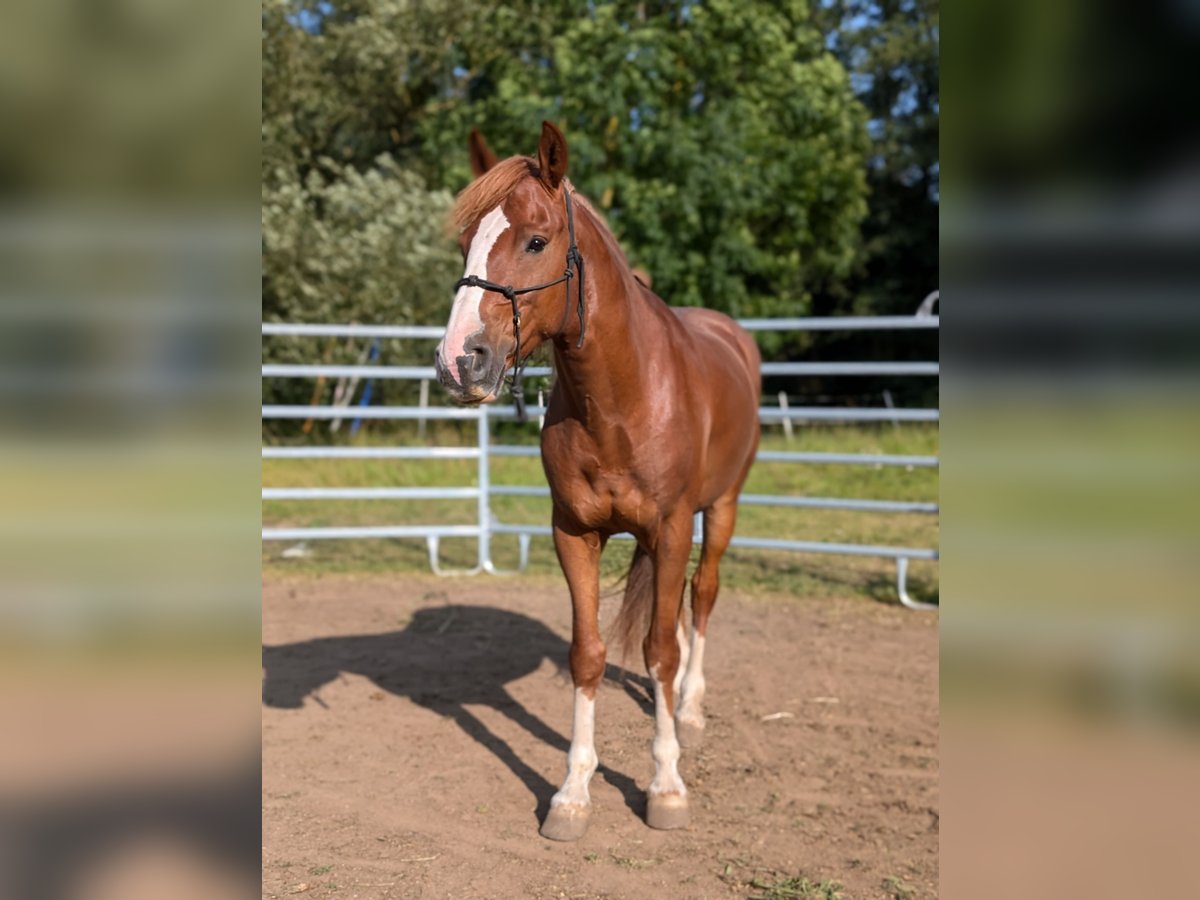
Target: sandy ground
[(415, 728)]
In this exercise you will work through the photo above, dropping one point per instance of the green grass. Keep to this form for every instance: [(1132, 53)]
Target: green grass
[(812, 574), (632, 862), (897, 889), (798, 887)]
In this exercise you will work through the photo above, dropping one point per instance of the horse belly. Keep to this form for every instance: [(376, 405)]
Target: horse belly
[(728, 459), (732, 443), (725, 365)]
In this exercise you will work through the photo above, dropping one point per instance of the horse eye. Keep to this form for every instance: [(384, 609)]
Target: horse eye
[(536, 245)]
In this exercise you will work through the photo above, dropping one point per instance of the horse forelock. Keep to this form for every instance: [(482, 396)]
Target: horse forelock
[(495, 186), (489, 190)]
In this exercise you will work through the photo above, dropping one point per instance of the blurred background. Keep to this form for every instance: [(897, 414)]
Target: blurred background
[(1071, 240), (129, 610)]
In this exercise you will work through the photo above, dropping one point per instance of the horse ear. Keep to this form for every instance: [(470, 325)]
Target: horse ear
[(482, 157), (552, 156)]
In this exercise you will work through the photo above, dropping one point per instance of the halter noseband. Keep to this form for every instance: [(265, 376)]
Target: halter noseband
[(574, 262)]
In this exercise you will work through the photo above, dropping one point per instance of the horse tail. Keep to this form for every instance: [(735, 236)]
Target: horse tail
[(633, 619)]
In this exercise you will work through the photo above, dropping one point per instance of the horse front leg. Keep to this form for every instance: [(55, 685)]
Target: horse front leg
[(666, 803), (579, 555)]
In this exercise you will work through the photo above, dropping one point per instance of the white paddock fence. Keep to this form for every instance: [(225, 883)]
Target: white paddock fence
[(488, 526)]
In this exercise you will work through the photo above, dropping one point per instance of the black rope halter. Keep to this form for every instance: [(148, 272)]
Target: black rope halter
[(574, 262)]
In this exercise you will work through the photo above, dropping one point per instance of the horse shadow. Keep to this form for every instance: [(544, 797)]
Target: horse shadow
[(445, 659)]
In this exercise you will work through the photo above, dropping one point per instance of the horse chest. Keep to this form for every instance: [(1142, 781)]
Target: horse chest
[(598, 497)]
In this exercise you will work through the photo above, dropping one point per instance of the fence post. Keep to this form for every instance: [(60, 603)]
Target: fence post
[(787, 422), (343, 392), (424, 402), (902, 587), (890, 404), (485, 484)]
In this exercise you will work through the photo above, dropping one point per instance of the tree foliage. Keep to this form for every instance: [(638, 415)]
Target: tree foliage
[(343, 245), (352, 228), (891, 49), (722, 139)]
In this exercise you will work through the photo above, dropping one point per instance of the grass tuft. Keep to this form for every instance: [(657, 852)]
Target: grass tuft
[(629, 862), (897, 889), (784, 888)]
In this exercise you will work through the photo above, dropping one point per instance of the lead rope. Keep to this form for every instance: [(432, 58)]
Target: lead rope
[(514, 386), (574, 261)]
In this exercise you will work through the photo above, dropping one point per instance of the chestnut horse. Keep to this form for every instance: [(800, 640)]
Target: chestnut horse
[(653, 417)]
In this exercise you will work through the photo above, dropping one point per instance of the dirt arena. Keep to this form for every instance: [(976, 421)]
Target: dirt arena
[(415, 728)]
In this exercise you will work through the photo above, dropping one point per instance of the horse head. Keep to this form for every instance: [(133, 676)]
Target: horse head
[(514, 234)]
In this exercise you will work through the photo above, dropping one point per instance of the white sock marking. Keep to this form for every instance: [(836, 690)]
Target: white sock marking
[(665, 748), (681, 639), (465, 318), (581, 758), (690, 704)]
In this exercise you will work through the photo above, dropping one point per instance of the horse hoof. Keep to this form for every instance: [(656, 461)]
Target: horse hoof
[(666, 811), (689, 734), (566, 823)]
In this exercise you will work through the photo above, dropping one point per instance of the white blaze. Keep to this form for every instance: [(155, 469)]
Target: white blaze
[(465, 318)]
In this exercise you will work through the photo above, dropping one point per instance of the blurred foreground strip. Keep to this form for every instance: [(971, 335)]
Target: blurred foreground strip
[(129, 597), (128, 450), (1070, 665)]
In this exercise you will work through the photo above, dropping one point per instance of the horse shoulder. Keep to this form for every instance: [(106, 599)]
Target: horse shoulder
[(721, 347)]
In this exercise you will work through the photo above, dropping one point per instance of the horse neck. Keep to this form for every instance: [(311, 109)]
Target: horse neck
[(611, 365)]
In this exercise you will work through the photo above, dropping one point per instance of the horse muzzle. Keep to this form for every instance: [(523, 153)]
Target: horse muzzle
[(472, 378)]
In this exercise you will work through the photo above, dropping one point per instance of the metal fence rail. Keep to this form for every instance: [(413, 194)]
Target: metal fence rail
[(488, 525)]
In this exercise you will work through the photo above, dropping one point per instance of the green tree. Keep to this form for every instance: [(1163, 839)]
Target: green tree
[(891, 49), (352, 229), (721, 139)]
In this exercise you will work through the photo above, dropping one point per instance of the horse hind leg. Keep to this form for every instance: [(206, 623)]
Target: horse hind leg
[(666, 801), (719, 520)]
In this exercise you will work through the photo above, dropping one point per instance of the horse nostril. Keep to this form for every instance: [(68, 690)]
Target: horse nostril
[(482, 360), (477, 359)]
